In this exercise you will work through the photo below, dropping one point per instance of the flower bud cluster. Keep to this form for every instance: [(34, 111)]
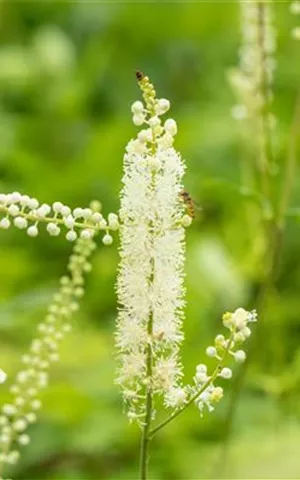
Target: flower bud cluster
[(204, 392), (295, 10), (21, 412), (238, 325), (26, 213)]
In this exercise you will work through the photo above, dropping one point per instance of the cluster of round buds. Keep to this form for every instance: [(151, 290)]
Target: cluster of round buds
[(204, 391), (149, 113), (27, 213), (17, 415), (295, 10)]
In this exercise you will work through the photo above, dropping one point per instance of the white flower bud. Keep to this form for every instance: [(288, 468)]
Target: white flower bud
[(32, 231), (16, 197), (201, 368), (4, 223), (32, 203), (78, 212), (226, 373), (240, 356), (69, 221), (13, 457), (145, 136), (36, 404), (20, 223), (162, 106), (138, 119), (240, 318), (19, 425), (87, 234), (9, 409), (57, 207), (13, 210), (211, 351), (113, 221), (53, 229), (166, 141), (24, 439), (171, 126), (107, 239), (246, 332), (43, 210), (97, 217), (65, 211), (30, 417), (71, 236), (137, 108), (154, 121)]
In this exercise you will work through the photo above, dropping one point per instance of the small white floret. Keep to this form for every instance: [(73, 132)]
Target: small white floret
[(211, 351), (20, 223), (53, 229), (71, 236), (32, 231), (226, 373), (4, 223), (240, 356), (171, 126), (137, 108), (162, 106), (107, 239)]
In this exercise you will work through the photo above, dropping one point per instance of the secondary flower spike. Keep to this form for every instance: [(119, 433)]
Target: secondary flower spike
[(150, 281)]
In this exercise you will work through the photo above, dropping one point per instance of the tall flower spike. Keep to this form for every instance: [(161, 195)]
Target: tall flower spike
[(253, 80), (150, 281), (17, 415)]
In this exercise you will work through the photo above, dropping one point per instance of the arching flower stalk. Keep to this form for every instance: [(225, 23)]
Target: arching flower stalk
[(26, 213), (150, 286), (253, 80), (17, 416)]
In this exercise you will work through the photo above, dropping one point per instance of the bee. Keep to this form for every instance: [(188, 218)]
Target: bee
[(139, 75), (188, 202)]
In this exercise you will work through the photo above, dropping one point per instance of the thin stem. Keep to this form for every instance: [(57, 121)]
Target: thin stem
[(196, 395), (148, 417)]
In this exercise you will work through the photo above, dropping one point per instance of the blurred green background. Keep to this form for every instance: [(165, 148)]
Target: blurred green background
[(66, 86)]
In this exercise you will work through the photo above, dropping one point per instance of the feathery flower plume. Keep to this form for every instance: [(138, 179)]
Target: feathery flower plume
[(150, 281), (253, 80)]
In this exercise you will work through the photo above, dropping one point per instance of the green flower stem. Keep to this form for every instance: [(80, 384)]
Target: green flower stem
[(196, 395)]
